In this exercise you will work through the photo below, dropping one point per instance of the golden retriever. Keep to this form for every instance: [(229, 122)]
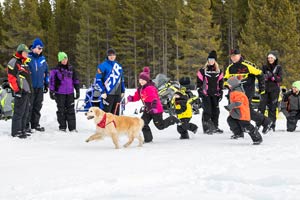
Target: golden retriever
[(111, 125)]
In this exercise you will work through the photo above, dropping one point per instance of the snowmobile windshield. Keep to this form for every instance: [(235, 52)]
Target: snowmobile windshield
[(160, 80)]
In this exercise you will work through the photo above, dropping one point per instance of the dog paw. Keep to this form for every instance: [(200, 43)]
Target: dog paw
[(87, 140)]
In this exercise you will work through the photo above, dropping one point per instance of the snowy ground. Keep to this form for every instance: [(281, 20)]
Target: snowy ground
[(54, 165)]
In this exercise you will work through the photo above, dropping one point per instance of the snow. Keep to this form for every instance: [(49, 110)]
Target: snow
[(55, 165)]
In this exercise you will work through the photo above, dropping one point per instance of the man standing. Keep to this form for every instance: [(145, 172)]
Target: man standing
[(20, 81), (40, 81), (247, 72), (110, 78)]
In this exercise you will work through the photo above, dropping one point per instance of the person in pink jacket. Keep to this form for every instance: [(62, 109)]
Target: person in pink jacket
[(153, 108)]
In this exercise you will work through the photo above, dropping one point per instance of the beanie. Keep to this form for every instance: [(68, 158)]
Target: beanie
[(233, 82), (296, 84), (37, 42), (61, 56), (235, 51), (145, 74), (273, 54), (212, 54), (110, 51)]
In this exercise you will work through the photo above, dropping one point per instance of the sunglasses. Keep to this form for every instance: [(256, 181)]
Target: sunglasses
[(39, 47)]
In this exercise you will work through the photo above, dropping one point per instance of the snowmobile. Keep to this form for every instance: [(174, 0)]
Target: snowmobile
[(93, 98), (6, 101), (166, 90)]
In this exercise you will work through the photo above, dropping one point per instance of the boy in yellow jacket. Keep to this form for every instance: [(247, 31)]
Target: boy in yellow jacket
[(184, 112)]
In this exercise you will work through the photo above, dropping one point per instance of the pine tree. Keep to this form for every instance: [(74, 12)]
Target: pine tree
[(197, 36), (275, 29)]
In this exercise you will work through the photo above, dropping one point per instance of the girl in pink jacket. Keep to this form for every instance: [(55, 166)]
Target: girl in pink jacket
[(153, 109)]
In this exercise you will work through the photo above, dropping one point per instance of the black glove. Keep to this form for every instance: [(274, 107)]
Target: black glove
[(52, 95), (45, 88), (227, 108), (268, 74), (221, 96), (77, 94), (18, 94)]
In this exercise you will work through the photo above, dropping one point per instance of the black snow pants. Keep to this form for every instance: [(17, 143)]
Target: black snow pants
[(65, 111)]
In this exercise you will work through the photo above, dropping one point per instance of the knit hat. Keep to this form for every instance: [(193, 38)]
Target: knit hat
[(273, 54), (110, 51), (296, 84), (235, 51), (23, 47), (37, 42), (61, 56), (145, 74), (212, 54), (234, 82)]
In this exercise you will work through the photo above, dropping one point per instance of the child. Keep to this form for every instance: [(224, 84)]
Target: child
[(292, 99), (63, 81), (153, 109), (239, 118), (184, 111)]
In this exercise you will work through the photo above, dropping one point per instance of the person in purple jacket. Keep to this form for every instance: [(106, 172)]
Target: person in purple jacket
[(63, 81)]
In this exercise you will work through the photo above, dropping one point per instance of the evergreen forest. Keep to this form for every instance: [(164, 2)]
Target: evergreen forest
[(173, 37)]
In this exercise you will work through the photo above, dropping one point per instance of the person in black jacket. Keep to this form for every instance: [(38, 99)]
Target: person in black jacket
[(273, 77), (247, 72), (292, 112), (210, 90), (20, 81)]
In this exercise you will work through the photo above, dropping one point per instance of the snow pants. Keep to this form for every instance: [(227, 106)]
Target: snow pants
[(36, 103), (65, 111)]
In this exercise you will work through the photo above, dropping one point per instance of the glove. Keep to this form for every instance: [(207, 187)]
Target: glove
[(45, 88), (77, 94), (52, 95), (221, 96), (18, 94), (153, 111), (104, 96), (130, 98), (268, 75), (227, 108)]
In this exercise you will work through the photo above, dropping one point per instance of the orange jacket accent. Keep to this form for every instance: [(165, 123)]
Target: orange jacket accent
[(238, 96)]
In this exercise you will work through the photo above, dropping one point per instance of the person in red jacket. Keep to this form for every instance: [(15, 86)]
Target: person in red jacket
[(153, 108), (239, 117), (19, 79)]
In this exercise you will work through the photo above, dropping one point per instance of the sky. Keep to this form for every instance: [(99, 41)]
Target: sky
[(60, 166)]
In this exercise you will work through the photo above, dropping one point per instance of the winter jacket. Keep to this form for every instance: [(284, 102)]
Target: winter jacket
[(273, 77), (209, 81), (248, 72), (63, 79), (149, 96), (39, 70), (19, 74), (239, 105), (293, 101), (110, 77), (183, 107)]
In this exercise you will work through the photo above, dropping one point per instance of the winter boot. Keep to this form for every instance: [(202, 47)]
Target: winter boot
[(184, 136), (39, 128), (220, 131), (255, 136), (267, 125), (19, 134)]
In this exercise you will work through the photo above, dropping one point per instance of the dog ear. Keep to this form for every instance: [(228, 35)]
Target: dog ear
[(97, 112)]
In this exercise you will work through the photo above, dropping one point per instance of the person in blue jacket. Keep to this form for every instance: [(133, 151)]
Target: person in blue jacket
[(110, 78), (40, 81)]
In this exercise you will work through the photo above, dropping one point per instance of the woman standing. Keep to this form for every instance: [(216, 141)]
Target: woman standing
[(210, 90), (273, 77)]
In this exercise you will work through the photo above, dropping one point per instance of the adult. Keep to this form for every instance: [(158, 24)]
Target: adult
[(210, 90), (63, 81), (40, 81), (20, 81), (273, 77), (110, 78), (247, 72)]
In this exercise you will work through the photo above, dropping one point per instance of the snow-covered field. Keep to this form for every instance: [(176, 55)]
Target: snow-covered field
[(55, 165)]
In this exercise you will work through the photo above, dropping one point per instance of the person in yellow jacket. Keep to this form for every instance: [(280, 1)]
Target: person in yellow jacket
[(247, 73), (183, 109)]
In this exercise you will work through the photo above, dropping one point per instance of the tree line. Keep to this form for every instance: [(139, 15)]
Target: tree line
[(172, 37)]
